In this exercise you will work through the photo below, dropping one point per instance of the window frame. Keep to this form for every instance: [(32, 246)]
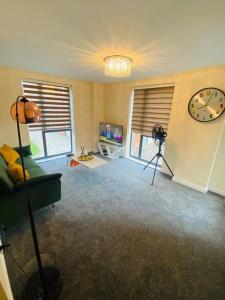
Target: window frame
[(140, 150), (46, 156), (44, 131)]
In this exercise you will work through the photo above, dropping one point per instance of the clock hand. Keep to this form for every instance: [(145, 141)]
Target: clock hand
[(210, 99), (207, 102), (202, 106)]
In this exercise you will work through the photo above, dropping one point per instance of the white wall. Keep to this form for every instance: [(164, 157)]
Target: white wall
[(191, 145)]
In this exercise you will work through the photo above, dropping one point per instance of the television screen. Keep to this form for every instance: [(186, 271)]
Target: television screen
[(111, 133)]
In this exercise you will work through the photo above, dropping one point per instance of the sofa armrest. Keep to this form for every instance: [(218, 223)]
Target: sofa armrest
[(38, 180)]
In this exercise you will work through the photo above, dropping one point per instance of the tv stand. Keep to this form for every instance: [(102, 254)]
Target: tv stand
[(110, 150)]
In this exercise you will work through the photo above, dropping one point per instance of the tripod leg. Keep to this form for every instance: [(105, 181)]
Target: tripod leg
[(155, 169), (167, 165), (150, 161)]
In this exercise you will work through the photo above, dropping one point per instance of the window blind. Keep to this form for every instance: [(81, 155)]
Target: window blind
[(151, 106), (54, 103)]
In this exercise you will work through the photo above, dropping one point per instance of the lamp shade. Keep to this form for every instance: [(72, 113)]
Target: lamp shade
[(28, 112)]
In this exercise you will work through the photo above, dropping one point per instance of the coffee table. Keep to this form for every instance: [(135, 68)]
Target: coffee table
[(90, 164)]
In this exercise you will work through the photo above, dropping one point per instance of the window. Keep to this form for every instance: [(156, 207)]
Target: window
[(151, 106), (52, 135)]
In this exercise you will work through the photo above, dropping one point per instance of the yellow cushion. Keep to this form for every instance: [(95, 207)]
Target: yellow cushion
[(15, 172), (9, 154)]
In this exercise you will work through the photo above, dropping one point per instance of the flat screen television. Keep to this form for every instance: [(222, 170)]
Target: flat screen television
[(111, 133)]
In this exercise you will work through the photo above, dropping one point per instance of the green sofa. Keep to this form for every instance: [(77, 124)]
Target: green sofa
[(43, 190)]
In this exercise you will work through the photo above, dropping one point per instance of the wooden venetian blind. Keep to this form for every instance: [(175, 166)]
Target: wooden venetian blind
[(151, 106), (54, 103)]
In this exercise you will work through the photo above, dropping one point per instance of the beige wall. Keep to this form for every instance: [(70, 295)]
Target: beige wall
[(4, 280), (217, 180), (191, 145), (85, 102), (98, 111)]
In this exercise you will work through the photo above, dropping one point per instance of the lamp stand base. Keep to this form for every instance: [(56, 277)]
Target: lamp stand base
[(54, 283)]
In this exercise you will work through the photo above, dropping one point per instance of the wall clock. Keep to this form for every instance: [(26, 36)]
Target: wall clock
[(207, 105)]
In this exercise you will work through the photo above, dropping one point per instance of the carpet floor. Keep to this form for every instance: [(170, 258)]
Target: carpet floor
[(122, 238)]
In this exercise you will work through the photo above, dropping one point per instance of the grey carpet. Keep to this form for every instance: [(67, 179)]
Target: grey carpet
[(122, 238)]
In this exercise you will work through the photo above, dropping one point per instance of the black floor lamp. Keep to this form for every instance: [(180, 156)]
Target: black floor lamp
[(47, 283)]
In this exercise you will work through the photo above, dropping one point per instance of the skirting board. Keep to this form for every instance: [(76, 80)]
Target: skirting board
[(165, 171), (196, 187), (186, 183), (217, 191)]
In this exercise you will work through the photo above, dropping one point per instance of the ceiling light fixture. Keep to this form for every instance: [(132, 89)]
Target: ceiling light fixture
[(117, 66)]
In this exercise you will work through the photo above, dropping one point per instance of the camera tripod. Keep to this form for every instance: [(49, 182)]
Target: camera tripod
[(158, 155)]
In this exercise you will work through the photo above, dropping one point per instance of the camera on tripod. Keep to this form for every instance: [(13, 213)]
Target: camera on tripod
[(159, 135)]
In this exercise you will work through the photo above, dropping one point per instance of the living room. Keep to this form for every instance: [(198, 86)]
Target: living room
[(106, 227)]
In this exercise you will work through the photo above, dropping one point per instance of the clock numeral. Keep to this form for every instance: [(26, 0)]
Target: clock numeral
[(196, 99), (217, 112), (192, 105), (221, 99), (221, 105), (197, 115), (215, 94), (201, 95), (211, 116), (208, 93)]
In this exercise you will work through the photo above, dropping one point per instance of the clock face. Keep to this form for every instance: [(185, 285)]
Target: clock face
[(207, 105)]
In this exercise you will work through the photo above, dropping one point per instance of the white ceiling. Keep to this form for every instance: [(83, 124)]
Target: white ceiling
[(71, 37)]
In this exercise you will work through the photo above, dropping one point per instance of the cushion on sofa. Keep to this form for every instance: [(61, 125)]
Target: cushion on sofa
[(6, 184), (15, 172), (3, 163), (28, 162), (9, 154), (26, 150), (43, 190), (36, 172), (31, 166)]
